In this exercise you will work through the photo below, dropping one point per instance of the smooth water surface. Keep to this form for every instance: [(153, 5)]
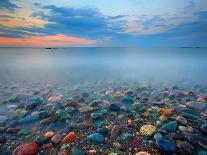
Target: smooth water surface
[(161, 65)]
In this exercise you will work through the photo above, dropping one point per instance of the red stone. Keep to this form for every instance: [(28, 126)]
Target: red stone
[(134, 144), (71, 103), (30, 148)]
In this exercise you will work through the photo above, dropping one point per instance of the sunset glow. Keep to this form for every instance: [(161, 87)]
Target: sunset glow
[(130, 23), (57, 40)]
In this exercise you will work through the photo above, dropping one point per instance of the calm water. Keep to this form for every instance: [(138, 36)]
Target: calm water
[(149, 65)]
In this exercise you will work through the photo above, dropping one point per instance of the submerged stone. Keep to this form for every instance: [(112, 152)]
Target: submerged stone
[(126, 136), (147, 130), (204, 128), (166, 146), (76, 151), (170, 127), (34, 100), (127, 100), (96, 116), (29, 119), (96, 137), (30, 148), (62, 115)]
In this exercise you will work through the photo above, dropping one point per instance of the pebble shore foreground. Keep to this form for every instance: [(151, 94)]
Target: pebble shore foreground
[(124, 120)]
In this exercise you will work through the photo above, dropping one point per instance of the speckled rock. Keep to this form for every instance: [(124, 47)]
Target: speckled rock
[(147, 130)]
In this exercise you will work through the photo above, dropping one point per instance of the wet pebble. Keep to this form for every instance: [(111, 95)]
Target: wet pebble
[(96, 137)]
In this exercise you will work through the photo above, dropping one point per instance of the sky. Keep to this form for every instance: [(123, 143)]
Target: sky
[(105, 23)]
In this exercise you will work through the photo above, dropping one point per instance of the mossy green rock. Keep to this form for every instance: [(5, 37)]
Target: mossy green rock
[(62, 115)]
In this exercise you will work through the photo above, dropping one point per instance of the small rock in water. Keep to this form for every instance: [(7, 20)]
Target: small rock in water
[(170, 127), (181, 120), (85, 109), (29, 119), (115, 131), (147, 130), (49, 134), (34, 100), (96, 137), (54, 98), (3, 139), (158, 136), (3, 118), (166, 146), (62, 115), (142, 153), (70, 137), (127, 100), (114, 107), (76, 151), (103, 130), (165, 112), (126, 136), (204, 128), (30, 148), (56, 139), (185, 148)]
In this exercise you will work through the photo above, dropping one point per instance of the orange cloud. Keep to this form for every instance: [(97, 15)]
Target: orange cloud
[(22, 22), (57, 40)]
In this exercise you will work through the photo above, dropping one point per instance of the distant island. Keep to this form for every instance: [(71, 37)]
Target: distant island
[(189, 47)]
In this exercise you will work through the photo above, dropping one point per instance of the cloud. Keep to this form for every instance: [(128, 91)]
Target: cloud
[(56, 40), (85, 22), (21, 22), (7, 5)]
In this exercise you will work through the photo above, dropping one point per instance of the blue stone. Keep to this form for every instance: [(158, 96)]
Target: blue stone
[(41, 140), (191, 111), (76, 151), (190, 116), (127, 100), (51, 127), (34, 100), (204, 128), (99, 122), (114, 107), (103, 130), (170, 127), (158, 136), (96, 137), (199, 106), (202, 153), (29, 119), (96, 115), (166, 146)]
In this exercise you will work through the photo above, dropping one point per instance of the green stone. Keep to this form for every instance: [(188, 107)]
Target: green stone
[(126, 136), (61, 115), (104, 111), (170, 127)]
